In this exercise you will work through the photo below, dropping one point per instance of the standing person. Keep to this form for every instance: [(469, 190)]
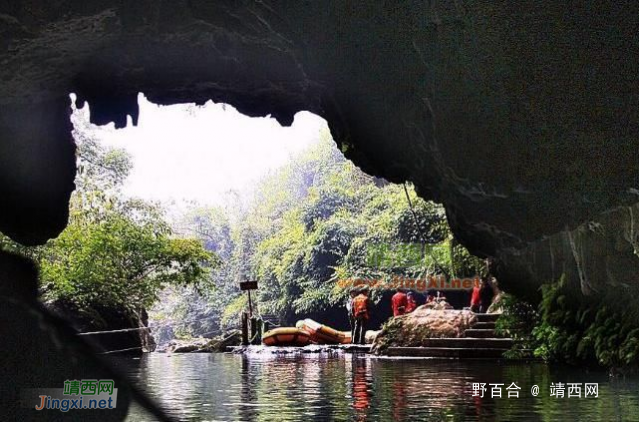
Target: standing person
[(411, 303), (360, 312), (399, 301), (475, 296), (349, 309), (486, 296)]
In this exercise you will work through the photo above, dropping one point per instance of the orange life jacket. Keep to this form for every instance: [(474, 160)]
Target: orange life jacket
[(360, 306), (399, 302), (475, 298)]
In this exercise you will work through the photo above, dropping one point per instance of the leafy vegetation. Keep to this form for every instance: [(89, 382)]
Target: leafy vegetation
[(115, 253), (568, 327), (518, 320), (312, 223), (576, 329)]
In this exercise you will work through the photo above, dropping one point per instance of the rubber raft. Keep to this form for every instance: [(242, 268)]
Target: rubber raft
[(286, 336), (304, 333)]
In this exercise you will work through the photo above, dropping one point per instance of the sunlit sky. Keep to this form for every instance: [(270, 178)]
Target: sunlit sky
[(190, 153)]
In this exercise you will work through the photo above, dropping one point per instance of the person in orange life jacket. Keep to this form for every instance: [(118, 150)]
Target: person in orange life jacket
[(399, 301), (360, 312), (475, 296), (411, 303)]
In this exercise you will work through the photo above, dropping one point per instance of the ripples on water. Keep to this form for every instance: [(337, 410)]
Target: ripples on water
[(265, 387)]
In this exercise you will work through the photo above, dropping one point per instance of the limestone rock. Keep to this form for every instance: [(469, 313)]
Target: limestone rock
[(187, 346), (412, 329), (520, 117), (370, 336), (220, 343), (205, 345)]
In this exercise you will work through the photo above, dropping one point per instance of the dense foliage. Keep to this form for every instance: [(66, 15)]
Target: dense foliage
[(575, 328), (312, 223), (115, 253), (518, 321), (569, 327)]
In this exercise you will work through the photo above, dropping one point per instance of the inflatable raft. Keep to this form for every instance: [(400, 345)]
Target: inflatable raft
[(321, 334), (286, 336)]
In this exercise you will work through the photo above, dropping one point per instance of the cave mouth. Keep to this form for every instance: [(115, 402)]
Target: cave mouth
[(168, 170), (189, 152), (213, 175)]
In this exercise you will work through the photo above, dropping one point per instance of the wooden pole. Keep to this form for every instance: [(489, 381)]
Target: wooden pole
[(250, 305), (245, 334), (260, 331), (254, 340)]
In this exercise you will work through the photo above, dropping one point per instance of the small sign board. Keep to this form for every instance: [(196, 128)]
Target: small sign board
[(248, 285)]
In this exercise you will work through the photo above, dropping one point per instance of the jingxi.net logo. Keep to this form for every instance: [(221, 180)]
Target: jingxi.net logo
[(76, 394)]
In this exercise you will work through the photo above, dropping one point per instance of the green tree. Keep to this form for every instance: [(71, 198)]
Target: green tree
[(309, 224), (115, 252)]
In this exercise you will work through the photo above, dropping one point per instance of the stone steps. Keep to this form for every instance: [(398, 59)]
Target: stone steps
[(487, 317), (484, 325), (479, 342), (469, 343), (480, 333), (446, 352)]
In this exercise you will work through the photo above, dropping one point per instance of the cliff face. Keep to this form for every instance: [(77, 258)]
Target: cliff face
[(105, 318), (599, 258), (520, 118)]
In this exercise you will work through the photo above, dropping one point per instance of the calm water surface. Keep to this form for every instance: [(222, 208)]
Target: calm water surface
[(266, 387)]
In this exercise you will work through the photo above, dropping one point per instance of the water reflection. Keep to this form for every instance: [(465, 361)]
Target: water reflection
[(362, 386), (265, 387)]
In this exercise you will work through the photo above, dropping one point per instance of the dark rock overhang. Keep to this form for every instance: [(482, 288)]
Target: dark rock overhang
[(520, 118)]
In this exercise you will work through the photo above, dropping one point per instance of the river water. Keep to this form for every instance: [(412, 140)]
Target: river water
[(267, 387)]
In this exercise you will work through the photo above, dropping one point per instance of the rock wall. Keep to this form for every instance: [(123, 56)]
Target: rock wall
[(520, 118), (599, 258), (105, 318), (40, 351)]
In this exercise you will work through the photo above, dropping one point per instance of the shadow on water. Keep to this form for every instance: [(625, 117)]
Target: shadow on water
[(265, 387)]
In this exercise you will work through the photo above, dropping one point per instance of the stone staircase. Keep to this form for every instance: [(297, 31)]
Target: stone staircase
[(484, 327), (479, 342)]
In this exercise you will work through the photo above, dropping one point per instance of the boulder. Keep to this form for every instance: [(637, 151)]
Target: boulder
[(412, 329), (370, 336), (187, 346), (220, 343), (129, 328), (205, 345)]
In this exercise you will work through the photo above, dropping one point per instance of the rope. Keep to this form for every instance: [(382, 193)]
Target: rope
[(142, 347), (121, 350), (421, 234), (124, 330), (419, 229), (272, 324)]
